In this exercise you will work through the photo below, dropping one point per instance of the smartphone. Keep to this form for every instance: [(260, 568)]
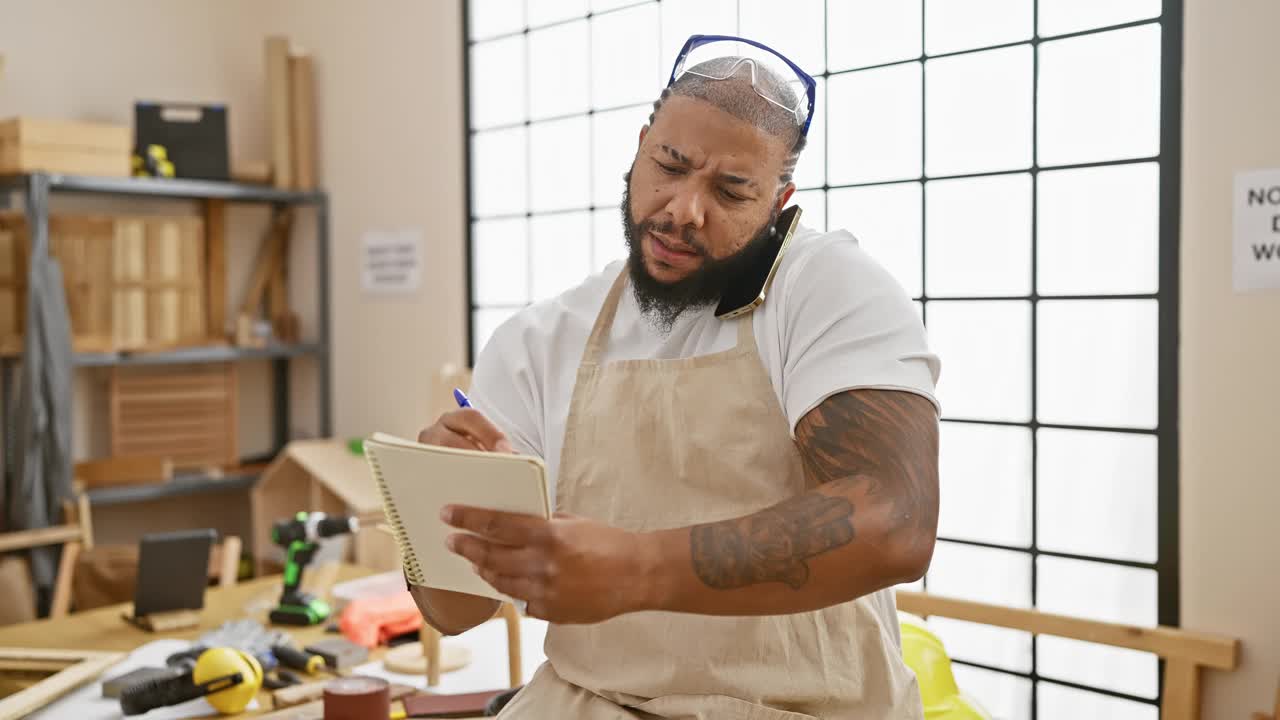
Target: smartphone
[(748, 292)]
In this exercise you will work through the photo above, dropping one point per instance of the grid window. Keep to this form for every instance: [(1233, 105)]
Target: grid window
[(1013, 164)]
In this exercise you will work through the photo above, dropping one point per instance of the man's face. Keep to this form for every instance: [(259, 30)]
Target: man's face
[(703, 185)]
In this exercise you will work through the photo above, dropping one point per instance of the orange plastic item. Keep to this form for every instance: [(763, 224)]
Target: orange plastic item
[(375, 620)]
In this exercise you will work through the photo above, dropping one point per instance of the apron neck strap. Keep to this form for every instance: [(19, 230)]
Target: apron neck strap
[(604, 321), (599, 337)]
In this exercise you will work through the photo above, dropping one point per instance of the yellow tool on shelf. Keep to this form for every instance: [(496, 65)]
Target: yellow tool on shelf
[(927, 658)]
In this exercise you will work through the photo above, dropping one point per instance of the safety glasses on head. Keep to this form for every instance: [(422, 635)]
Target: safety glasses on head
[(793, 92)]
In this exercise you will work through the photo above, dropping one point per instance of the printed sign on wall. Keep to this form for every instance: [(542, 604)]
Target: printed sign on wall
[(392, 261), (1256, 247)]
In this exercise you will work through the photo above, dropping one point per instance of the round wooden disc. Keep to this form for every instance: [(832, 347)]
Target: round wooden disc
[(408, 659)]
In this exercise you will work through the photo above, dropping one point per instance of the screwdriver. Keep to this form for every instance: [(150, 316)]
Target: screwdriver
[(292, 657)]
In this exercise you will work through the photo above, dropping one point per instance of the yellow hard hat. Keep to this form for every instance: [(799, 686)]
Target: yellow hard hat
[(220, 662), (924, 654)]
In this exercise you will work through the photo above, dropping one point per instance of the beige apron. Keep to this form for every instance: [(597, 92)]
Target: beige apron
[(658, 444)]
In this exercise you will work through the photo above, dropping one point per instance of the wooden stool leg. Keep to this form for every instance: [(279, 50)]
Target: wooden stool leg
[(1181, 691), (430, 638), (514, 655)]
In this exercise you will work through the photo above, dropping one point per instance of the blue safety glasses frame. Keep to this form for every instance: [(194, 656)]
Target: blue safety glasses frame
[(810, 86)]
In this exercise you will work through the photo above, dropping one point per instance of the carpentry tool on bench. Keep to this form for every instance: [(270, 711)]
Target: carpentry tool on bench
[(228, 678), (300, 537)]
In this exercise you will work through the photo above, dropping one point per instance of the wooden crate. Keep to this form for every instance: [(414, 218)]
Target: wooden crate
[(184, 412), (60, 146), (131, 283)]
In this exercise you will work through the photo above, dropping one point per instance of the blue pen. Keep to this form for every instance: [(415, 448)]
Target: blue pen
[(461, 397)]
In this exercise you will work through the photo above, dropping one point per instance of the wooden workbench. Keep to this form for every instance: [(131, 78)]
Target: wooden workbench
[(104, 629)]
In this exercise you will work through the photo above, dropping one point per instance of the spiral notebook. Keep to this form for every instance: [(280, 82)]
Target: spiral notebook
[(416, 480)]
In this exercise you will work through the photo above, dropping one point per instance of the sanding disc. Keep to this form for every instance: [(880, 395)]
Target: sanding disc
[(408, 659), (357, 698)]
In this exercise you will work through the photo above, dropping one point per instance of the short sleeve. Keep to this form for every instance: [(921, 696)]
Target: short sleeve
[(847, 324), (504, 389)]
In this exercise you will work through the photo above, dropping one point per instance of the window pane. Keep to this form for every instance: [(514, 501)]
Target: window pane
[(484, 322), (811, 170), (985, 482), (1095, 590), (952, 25), (1007, 697), (797, 33), (500, 262), (603, 5), (1076, 468), (1098, 363), (813, 208), (886, 222), (1102, 666), (561, 252), (624, 57), (880, 145), (978, 236), (542, 12), (615, 136), (499, 181), (682, 18), (1057, 17), (608, 243), (558, 60), (1099, 97), (1002, 577), (987, 346), (497, 82), (1099, 230), (978, 112), (871, 32), (559, 163), (495, 17), (986, 644), (1063, 703)]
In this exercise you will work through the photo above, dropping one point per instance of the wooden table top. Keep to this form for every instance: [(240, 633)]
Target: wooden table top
[(104, 628)]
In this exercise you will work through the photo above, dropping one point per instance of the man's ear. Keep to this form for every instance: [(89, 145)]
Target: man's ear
[(644, 130), (784, 196)]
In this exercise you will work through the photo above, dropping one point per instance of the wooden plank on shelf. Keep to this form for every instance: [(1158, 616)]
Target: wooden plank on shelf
[(153, 409), (279, 121), (302, 109), (124, 470), (215, 253), (265, 262)]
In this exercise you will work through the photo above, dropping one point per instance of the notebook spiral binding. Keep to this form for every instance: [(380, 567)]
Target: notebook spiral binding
[(408, 559)]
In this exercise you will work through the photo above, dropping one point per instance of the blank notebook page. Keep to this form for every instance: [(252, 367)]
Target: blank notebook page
[(417, 480)]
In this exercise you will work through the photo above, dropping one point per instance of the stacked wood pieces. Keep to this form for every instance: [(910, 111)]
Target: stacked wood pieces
[(127, 470), (291, 115), (184, 412), (131, 283), (269, 282)]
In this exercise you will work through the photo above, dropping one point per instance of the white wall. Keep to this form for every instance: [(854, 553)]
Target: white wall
[(1230, 384)]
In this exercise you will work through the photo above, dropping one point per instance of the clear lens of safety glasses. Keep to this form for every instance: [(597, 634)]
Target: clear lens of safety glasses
[(773, 77)]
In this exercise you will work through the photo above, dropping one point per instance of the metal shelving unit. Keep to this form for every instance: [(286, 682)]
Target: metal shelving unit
[(37, 188)]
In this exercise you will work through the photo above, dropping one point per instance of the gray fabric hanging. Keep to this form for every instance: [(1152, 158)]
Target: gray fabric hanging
[(39, 442)]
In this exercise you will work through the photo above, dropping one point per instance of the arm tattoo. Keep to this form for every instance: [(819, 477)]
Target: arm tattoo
[(772, 544), (881, 444)]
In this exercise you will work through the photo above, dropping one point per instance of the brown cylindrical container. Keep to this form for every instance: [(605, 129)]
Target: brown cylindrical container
[(357, 698)]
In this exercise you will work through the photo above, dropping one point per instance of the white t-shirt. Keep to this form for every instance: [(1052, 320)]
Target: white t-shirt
[(834, 320)]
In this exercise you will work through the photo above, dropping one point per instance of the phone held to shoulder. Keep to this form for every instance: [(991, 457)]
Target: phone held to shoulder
[(749, 293)]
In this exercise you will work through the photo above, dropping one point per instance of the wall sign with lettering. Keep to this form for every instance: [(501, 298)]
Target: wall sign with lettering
[(392, 261), (1256, 248)]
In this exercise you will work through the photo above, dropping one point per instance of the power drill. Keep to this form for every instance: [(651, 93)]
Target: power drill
[(299, 536)]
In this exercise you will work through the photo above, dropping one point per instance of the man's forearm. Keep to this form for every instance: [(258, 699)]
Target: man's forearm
[(870, 521), (827, 546)]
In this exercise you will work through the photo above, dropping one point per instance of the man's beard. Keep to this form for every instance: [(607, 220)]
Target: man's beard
[(662, 303)]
